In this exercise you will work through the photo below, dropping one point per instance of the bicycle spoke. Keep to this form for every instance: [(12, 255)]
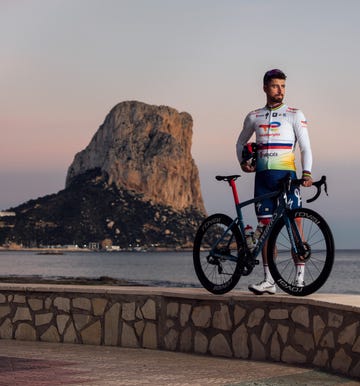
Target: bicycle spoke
[(315, 260), (216, 254)]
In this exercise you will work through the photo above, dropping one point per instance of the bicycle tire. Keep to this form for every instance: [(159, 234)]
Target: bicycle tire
[(217, 274), (319, 257)]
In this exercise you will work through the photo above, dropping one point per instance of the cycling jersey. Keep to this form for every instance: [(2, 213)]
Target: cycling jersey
[(277, 132)]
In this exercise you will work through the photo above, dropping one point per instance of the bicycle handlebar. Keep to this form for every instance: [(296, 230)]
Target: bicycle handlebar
[(318, 185)]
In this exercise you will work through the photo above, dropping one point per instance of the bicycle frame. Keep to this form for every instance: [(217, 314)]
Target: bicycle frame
[(279, 212), (299, 242)]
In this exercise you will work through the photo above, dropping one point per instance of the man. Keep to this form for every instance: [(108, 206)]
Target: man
[(278, 128)]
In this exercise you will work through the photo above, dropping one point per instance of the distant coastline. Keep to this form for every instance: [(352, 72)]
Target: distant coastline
[(59, 250)]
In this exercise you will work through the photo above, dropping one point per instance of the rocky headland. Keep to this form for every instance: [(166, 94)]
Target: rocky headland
[(135, 184)]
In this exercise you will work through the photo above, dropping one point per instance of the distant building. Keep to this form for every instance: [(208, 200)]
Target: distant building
[(94, 245), (7, 214)]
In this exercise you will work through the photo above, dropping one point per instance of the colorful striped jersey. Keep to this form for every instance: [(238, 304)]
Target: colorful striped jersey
[(277, 133)]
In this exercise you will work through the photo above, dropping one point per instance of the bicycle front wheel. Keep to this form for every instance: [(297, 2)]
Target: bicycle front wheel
[(215, 254), (317, 259)]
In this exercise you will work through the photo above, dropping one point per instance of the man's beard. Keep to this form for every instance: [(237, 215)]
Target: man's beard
[(277, 99)]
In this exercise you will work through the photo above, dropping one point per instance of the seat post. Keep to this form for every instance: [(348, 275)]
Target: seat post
[(234, 190)]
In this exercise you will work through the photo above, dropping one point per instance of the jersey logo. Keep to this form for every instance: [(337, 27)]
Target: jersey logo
[(271, 125)]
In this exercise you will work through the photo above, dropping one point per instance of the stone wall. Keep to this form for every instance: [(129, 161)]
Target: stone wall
[(306, 331)]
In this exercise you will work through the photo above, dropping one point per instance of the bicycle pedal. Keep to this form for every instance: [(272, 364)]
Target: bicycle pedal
[(257, 262)]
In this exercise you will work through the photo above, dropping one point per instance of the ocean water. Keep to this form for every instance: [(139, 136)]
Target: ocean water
[(169, 269)]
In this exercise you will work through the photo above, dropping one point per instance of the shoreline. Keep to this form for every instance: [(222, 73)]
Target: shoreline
[(62, 250), (102, 280)]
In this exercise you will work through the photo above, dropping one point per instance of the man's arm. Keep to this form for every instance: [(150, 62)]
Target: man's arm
[(245, 135), (302, 136)]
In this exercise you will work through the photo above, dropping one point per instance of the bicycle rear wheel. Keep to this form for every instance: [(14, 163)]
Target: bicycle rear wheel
[(215, 254), (317, 260)]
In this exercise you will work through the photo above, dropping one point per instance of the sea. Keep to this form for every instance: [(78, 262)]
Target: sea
[(163, 269)]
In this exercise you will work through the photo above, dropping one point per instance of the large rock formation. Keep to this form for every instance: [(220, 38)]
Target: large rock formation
[(145, 149), (134, 184)]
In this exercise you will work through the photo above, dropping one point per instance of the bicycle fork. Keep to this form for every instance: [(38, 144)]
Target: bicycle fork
[(300, 249)]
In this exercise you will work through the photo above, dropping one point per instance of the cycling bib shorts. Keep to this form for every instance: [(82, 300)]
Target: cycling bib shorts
[(267, 182)]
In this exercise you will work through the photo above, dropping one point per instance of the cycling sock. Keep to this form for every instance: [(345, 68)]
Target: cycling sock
[(267, 274), (300, 270)]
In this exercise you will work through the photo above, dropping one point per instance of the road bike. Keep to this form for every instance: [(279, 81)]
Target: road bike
[(294, 236)]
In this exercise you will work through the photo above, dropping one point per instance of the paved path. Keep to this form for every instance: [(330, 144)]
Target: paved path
[(52, 364)]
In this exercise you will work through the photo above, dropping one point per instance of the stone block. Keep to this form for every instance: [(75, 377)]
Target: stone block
[(99, 306), (70, 334), (349, 334), (185, 340), (4, 311), (328, 340), (283, 332), (321, 358), (319, 327), (149, 309), (25, 331), (240, 342), (128, 311), (275, 348), (221, 319), (150, 336), (219, 346), (304, 339), (239, 314), (48, 303), (50, 335), (19, 299), (62, 304), (111, 333), (92, 334), (82, 303), (266, 332), (341, 361), (279, 314), (257, 348), (61, 321), (300, 315), (139, 327), (290, 355), (335, 320), (171, 339), (81, 320), (41, 319), (255, 317), (22, 313), (201, 316), (6, 329), (356, 346), (200, 343), (355, 371), (128, 336), (36, 304), (185, 310), (138, 313), (172, 310)]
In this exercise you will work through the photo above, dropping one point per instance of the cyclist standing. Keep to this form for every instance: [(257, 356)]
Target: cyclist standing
[(278, 128)]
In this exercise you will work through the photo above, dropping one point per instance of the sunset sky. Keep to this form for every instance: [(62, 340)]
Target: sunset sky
[(66, 63)]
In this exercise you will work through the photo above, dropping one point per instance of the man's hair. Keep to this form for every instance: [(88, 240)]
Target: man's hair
[(273, 74)]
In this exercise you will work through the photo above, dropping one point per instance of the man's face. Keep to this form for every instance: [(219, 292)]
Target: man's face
[(275, 91)]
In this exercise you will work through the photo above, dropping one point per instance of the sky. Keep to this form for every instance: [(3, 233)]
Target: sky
[(66, 63)]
